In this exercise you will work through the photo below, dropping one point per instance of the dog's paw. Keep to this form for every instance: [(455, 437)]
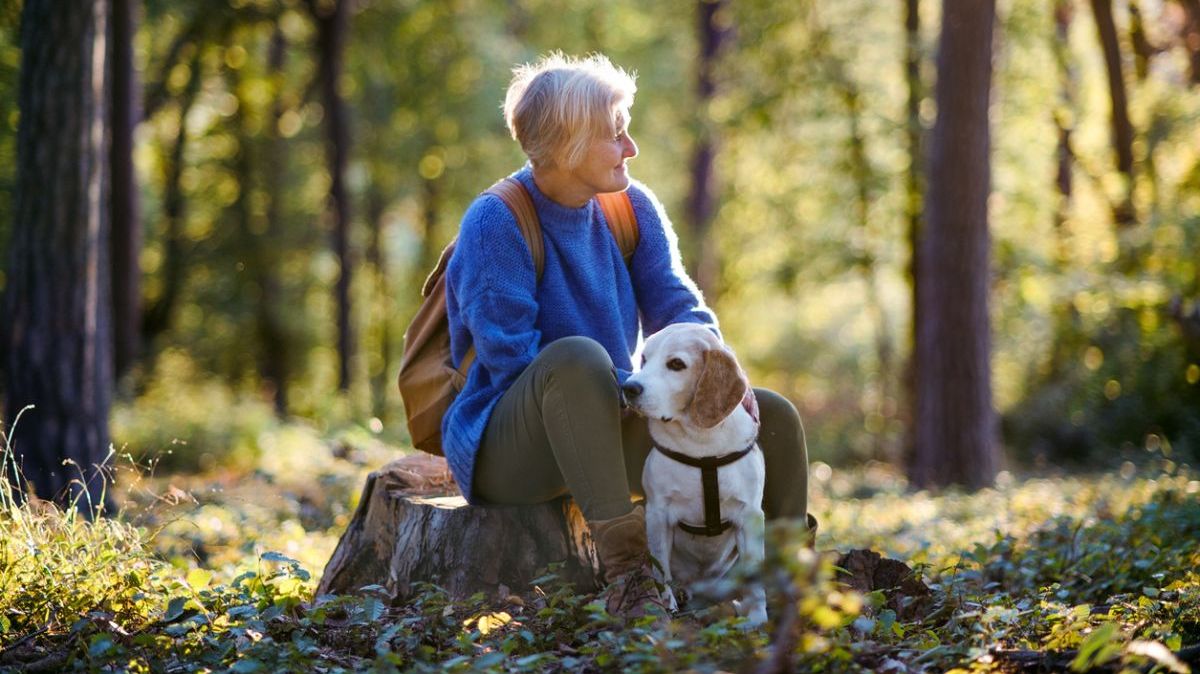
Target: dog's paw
[(754, 610), (669, 599)]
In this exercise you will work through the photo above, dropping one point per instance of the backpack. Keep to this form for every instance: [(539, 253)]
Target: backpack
[(428, 380)]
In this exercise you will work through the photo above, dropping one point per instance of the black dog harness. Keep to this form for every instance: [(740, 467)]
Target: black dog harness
[(713, 524)]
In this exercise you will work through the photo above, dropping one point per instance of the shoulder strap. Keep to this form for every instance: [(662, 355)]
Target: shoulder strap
[(618, 212), (516, 197)]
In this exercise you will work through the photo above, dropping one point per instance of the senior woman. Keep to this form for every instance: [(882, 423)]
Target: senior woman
[(540, 414)]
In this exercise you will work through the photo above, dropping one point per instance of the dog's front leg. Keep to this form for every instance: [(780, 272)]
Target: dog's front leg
[(750, 542), (659, 537)]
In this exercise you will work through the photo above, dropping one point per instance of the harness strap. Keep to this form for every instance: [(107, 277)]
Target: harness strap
[(708, 465)]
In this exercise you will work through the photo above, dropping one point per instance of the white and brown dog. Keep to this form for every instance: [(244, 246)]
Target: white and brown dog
[(704, 478)]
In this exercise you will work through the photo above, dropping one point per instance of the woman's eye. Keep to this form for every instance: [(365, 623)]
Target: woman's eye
[(676, 364)]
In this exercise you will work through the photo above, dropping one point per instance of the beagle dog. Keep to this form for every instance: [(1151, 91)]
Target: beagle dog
[(704, 478)]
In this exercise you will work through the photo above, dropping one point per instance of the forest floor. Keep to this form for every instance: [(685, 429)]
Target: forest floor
[(215, 572)]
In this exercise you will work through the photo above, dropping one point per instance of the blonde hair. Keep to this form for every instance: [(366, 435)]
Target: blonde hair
[(557, 106)]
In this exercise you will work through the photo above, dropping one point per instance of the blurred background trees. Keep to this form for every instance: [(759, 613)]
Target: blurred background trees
[(295, 165)]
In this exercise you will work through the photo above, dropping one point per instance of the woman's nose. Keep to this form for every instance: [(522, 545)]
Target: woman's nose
[(630, 149)]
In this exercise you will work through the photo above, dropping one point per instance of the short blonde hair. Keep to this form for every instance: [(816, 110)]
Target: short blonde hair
[(557, 106)]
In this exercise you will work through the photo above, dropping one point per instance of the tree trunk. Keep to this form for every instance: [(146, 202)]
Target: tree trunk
[(914, 191), (58, 341), (125, 205), (1190, 33), (411, 527), (702, 200), (863, 173), (1143, 51), (272, 331), (159, 316), (1064, 117), (332, 20), (1122, 129), (955, 424), (377, 260)]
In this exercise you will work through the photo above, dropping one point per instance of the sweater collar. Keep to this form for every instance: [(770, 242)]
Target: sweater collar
[(552, 213)]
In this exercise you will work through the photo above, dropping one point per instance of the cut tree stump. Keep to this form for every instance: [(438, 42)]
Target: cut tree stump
[(412, 526)]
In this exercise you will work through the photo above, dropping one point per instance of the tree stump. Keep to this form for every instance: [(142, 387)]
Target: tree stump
[(412, 526)]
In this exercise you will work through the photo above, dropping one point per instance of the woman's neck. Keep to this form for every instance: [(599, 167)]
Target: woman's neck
[(561, 187)]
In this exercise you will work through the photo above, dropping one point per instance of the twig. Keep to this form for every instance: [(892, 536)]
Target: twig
[(13, 646), (786, 636)]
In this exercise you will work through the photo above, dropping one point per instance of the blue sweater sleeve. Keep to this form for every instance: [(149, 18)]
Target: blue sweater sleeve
[(493, 281), (665, 292)]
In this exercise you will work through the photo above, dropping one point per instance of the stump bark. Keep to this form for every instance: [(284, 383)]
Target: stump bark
[(412, 526)]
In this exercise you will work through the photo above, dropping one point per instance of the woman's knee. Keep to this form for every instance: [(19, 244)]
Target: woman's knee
[(577, 359)]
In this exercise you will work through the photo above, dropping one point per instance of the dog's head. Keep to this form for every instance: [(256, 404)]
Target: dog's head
[(688, 376)]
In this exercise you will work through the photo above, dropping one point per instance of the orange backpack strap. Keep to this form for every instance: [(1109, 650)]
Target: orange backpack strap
[(516, 197), (618, 211)]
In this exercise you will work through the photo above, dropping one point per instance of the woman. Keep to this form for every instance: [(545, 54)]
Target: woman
[(540, 414)]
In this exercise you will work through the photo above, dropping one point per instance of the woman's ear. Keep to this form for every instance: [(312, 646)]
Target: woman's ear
[(719, 389)]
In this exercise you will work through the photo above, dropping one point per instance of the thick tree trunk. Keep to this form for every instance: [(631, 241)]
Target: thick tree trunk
[(1122, 128), (955, 425), (404, 533), (702, 201), (125, 206), (332, 21), (58, 340)]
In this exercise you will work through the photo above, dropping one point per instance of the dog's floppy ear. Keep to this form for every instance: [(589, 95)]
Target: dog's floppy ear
[(719, 389)]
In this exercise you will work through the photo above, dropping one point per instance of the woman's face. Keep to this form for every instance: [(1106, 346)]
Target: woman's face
[(603, 167)]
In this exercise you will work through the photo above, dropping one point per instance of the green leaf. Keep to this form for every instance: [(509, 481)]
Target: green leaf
[(100, 645), (1097, 649), (174, 609), (372, 609), (246, 666), (199, 579)]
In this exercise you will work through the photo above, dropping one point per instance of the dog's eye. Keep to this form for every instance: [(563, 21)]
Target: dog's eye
[(676, 364), (643, 360)]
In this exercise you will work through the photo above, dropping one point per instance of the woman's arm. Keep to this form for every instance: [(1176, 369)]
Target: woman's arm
[(665, 292), (491, 287)]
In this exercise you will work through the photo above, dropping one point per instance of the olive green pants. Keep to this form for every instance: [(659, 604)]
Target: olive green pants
[(560, 430)]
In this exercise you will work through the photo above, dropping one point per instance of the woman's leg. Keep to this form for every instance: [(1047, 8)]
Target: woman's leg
[(557, 430), (782, 440)]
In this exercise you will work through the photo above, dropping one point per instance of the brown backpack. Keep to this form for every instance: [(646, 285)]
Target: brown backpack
[(428, 379)]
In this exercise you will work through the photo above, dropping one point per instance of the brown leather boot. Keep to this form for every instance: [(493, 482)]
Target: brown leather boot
[(632, 590)]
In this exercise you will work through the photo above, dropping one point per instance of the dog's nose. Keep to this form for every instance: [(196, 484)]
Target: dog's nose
[(632, 390)]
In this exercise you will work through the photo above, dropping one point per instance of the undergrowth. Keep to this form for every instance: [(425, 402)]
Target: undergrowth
[(1053, 574)]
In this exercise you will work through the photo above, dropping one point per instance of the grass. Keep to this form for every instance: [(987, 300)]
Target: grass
[(215, 572)]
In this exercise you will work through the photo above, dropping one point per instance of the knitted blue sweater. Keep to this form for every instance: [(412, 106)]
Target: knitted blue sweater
[(495, 301)]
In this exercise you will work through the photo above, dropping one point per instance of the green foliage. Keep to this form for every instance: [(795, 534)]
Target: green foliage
[(1082, 572), (186, 421)]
